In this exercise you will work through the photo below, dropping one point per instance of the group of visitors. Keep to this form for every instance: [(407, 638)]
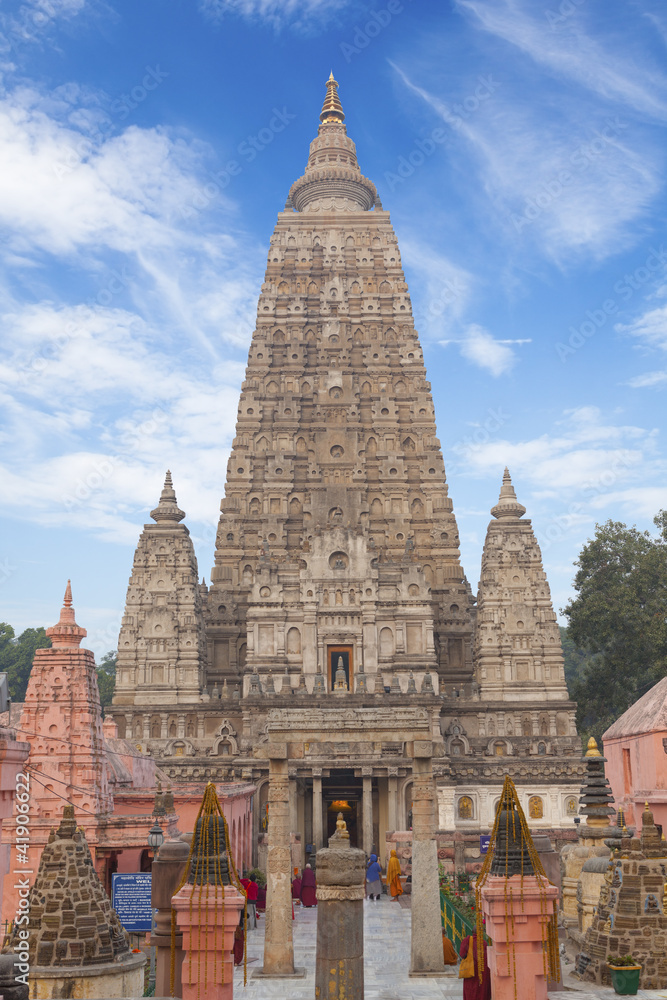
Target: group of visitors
[(304, 893), (374, 878)]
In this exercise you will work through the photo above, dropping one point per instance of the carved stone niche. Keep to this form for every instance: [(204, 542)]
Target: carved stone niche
[(340, 867)]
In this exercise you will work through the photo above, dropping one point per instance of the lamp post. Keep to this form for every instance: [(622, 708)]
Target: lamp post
[(155, 841)]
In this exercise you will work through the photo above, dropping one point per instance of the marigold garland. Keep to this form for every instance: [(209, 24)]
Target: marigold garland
[(209, 808), (509, 800)]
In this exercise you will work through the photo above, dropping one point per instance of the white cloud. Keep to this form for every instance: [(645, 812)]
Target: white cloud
[(440, 287), (651, 327), (300, 15), (648, 380), (574, 55), (482, 349), (546, 170)]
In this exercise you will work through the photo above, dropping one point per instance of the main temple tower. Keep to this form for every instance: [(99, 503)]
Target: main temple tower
[(337, 539), (337, 581)]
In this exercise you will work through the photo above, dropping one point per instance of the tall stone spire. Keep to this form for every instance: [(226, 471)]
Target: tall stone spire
[(336, 525), (518, 651)]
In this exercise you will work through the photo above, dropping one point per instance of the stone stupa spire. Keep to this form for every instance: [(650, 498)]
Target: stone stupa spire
[(66, 632), (332, 110), (167, 509), (332, 179), (508, 505)]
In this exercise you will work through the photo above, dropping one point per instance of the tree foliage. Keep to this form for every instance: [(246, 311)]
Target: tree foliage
[(106, 677), (619, 618), (16, 656)]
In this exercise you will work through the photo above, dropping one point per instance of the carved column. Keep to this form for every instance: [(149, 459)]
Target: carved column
[(339, 962), (426, 948), (278, 946), (367, 811), (317, 810)]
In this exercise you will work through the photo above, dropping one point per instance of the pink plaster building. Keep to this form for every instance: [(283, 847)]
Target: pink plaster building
[(74, 756), (13, 755), (61, 722), (636, 750)]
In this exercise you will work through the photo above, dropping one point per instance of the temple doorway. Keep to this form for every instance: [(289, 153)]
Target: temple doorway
[(343, 793)]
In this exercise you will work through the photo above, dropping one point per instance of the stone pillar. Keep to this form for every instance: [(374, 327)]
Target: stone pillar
[(517, 905), (207, 924), (278, 945), (339, 962), (167, 871), (293, 823), (367, 811), (426, 948), (317, 810), (392, 800)]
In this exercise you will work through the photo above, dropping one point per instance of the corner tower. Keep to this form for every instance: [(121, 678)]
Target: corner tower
[(161, 648), (337, 540)]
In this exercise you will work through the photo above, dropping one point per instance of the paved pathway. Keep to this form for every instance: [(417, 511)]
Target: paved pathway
[(386, 961)]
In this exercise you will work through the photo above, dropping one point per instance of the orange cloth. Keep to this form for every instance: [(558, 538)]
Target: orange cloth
[(394, 875), (449, 951)]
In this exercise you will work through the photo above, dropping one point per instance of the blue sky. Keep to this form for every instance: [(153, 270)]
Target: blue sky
[(145, 149)]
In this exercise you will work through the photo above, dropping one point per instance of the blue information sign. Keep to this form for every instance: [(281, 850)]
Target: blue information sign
[(484, 841), (131, 899)]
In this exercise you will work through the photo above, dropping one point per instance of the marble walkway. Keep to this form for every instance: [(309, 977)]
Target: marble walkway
[(386, 963)]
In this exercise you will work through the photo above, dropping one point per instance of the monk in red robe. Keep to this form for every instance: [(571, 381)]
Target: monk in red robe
[(308, 887), (472, 988)]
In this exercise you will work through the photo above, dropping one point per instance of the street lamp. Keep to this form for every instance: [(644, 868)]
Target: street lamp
[(155, 838), (155, 842)]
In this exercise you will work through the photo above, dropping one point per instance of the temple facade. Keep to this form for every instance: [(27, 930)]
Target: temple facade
[(337, 580)]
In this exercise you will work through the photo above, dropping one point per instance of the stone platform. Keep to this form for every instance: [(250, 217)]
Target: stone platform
[(606, 993), (386, 960)]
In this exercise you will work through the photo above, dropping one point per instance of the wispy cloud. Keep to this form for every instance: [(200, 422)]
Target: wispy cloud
[(587, 459), (299, 15), (482, 349), (574, 55)]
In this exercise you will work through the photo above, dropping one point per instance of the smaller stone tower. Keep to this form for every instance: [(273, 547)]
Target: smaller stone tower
[(161, 648), (519, 660)]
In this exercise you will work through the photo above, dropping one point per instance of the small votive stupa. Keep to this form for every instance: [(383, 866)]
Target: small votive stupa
[(76, 943), (631, 917)]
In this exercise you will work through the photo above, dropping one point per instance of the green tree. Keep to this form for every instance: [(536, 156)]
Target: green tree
[(16, 656), (574, 657), (106, 677), (619, 618)]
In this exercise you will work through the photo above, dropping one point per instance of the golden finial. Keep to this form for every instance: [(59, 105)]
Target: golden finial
[(332, 110), (592, 749)]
